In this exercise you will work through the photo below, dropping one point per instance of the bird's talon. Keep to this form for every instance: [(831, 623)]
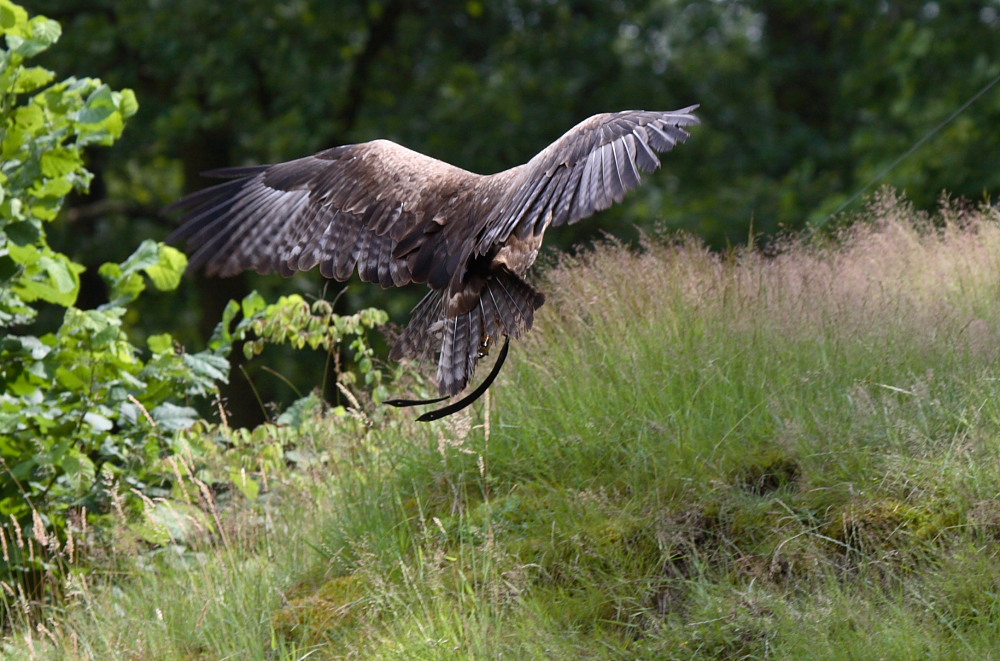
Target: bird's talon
[(484, 347)]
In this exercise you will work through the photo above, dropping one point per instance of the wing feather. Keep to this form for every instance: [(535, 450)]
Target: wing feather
[(645, 158), (607, 189), (210, 230), (312, 246), (627, 165), (320, 209), (589, 185), (588, 169)]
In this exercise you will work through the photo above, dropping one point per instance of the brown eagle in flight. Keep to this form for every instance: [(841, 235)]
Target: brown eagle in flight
[(397, 216)]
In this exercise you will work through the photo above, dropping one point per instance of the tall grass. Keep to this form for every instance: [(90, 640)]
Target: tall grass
[(692, 456)]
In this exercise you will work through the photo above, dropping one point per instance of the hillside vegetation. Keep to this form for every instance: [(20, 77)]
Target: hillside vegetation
[(691, 456)]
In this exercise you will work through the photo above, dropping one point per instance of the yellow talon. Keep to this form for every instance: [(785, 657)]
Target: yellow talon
[(484, 348)]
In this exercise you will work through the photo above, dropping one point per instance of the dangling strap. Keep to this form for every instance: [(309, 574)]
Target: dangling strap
[(462, 403), (413, 402)]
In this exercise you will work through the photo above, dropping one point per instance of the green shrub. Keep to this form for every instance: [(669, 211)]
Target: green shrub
[(83, 412), (90, 424)]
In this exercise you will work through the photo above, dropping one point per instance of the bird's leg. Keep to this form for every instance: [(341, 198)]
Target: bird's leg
[(484, 346)]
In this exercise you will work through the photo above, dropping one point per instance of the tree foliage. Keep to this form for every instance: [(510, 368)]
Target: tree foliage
[(83, 411)]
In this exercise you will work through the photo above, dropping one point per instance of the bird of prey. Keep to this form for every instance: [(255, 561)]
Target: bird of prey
[(397, 216)]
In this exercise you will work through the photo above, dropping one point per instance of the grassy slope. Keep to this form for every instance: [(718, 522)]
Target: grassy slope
[(688, 458)]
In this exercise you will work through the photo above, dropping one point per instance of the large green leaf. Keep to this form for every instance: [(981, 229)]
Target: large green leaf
[(30, 79), (208, 366), (39, 35), (58, 162), (174, 418), (163, 264), (48, 276), (13, 18), (166, 273), (79, 470), (99, 106)]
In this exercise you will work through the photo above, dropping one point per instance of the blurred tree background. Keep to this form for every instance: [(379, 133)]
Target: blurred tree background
[(803, 104)]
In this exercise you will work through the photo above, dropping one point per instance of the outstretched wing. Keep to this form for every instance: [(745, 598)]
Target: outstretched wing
[(342, 209), (588, 169)]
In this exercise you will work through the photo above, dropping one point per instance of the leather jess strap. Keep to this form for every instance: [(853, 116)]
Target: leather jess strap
[(462, 403)]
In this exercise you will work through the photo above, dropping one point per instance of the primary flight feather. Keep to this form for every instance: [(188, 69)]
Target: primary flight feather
[(397, 216)]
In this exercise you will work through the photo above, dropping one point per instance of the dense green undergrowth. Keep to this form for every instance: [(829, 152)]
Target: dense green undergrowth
[(690, 457)]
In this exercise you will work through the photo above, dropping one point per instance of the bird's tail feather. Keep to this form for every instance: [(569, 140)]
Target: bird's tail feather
[(422, 336), (463, 337), (506, 306)]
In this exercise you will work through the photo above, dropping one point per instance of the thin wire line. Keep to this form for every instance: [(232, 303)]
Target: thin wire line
[(947, 120)]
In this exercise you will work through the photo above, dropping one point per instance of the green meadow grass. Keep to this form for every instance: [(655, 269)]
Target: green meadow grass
[(691, 456)]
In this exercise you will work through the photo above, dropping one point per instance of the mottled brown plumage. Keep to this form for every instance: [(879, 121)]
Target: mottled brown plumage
[(397, 216)]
